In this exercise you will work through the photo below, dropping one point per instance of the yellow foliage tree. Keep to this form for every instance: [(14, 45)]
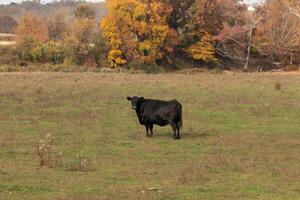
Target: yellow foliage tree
[(138, 30), (114, 41), (203, 50)]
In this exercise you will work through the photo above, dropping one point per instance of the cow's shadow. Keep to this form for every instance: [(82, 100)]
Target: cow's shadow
[(183, 135)]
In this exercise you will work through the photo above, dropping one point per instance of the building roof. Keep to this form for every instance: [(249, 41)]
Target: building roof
[(7, 24)]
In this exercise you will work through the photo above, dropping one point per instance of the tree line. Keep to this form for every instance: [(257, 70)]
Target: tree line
[(216, 33)]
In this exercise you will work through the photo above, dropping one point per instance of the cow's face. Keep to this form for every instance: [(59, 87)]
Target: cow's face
[(135, 101)]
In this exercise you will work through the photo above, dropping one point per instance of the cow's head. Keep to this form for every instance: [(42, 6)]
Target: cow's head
[(135, 101)]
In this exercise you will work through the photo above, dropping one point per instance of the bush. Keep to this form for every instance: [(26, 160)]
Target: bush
[(8, 56), (45, 153), (99, 52), (38, 54), (278, 85), (54, 52), (292, 68), (80, 164), (75, 51), (25, 49), (50, 52)]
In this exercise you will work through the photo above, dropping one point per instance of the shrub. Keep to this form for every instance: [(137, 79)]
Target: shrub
[(38, 54), (54, 52), (25, 48), (99, 52), (75, 51), (80, 163), (33, 51), (45, 153), (292, 68), (278, 85), (8, 56)]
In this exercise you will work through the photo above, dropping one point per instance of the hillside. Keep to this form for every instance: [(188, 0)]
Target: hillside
[(17, 10)]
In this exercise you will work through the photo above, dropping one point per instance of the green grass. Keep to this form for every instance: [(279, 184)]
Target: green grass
[(241, 137)]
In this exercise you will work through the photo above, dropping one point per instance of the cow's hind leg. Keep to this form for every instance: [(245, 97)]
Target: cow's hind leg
[(178, 132), (147, 130), (151, 130), (174, 130)]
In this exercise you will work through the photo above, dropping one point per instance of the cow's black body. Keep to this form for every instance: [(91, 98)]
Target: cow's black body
[(155, 112)]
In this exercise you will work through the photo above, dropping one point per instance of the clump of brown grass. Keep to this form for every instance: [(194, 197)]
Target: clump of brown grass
[(81, 163), (193, 172), (45, 153), (278, 86)]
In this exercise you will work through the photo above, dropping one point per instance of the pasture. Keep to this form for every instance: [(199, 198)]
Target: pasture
[(240, 138)]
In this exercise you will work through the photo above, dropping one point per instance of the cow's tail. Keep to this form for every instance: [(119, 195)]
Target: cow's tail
[(179, 107), (180, 120)]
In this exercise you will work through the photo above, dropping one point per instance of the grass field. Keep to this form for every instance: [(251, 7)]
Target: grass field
[(241, 137)]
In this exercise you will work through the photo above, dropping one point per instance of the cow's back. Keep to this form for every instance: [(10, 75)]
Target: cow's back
[(156, 106), (160, 112)]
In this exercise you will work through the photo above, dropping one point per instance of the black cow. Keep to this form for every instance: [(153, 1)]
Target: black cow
[(162, 113)]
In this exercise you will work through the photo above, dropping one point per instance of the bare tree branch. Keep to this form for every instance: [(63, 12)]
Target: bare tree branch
[(294, 12), (254, 21)]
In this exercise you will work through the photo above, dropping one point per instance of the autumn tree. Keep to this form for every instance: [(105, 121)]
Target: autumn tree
[(57, 25), (180, 15), (294, 7), (199, 24), (32, 26), (278, 34), (85, 11), (253, 20), (231, 44), (139, 30), (216, 29), (231, 40), (81, 34), (204, 22), (29, 36)]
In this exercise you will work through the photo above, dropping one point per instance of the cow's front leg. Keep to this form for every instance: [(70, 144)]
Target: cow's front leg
[(147, 130), (151, 130)]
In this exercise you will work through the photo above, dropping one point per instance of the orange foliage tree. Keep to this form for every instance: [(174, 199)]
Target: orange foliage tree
[(31, 32), (31, 26)]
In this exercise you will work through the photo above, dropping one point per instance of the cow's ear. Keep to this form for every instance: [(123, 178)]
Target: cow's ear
[(129, 98), (142, 98)]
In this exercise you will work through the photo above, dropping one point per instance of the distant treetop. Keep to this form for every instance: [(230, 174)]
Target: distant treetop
[(7, 24)]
